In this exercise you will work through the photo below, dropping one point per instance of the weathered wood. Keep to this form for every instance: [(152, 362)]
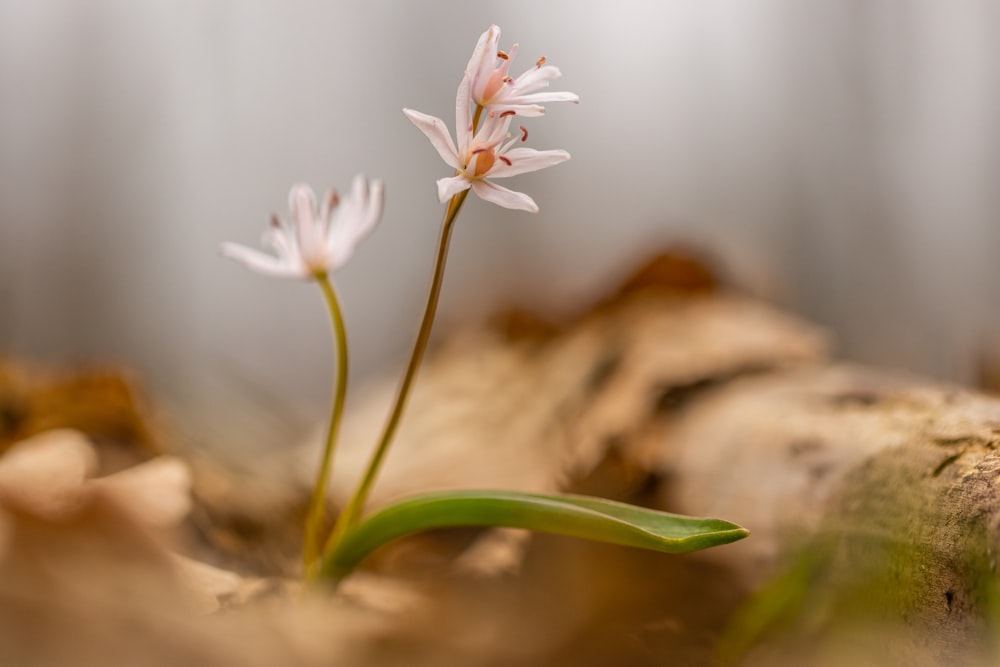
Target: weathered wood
[(889, 482)]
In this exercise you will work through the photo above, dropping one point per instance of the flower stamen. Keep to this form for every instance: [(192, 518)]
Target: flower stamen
[(540, 62), (524, 132)]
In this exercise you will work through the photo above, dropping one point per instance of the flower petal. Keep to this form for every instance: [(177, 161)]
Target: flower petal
[(449, 187), (483, 60), (302, 204), (353, 220), (520, 97), (310, 229), (434, 129), (493, 129), (535, 78), (524, 160), (523, 110), (284, 243), (349, 215), (463, 116), (501, 196), (262, 263), (372, 212), (535, 98)]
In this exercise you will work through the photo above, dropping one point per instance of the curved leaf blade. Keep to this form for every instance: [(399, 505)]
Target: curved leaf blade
[(576, 516)]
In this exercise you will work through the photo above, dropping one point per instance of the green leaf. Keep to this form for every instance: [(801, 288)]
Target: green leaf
[(576, 516)]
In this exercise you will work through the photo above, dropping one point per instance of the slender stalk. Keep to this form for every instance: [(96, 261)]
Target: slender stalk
[(476, 117), (353, 510), (317, 502)]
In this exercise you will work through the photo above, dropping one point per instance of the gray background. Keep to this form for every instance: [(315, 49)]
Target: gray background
[(840, 158)]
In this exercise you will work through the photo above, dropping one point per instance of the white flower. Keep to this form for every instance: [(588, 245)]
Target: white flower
[(317, 239), (495, 90), (488, 153), (485, 147)]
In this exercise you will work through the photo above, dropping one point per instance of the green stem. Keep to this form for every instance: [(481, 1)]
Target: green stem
[(476, 117), (352, 512), (354, 507), (317, 502)]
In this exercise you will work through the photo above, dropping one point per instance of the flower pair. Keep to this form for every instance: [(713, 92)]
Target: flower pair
[(488, 100), (318, 239)]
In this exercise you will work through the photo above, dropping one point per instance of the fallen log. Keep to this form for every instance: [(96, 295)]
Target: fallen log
[(886, 485)]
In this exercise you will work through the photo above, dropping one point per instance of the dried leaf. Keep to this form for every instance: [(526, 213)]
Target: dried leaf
[(103, 403), (157, 492), (46, 473)]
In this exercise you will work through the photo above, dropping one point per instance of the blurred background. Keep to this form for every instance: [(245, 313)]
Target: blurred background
[(838, 158)]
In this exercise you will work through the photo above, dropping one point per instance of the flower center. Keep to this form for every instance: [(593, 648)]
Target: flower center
[(482, 161)]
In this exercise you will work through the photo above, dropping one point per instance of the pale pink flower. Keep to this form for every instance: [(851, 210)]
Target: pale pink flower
[(492, 87), (317, 239), (490, 153)]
